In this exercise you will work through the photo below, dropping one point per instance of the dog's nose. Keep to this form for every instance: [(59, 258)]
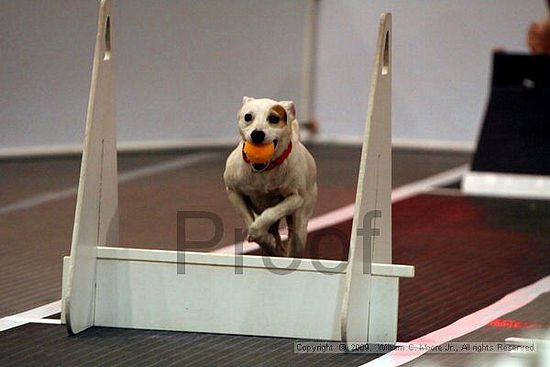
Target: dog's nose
[(257, 136)]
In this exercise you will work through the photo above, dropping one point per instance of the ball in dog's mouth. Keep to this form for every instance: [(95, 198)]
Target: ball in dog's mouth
[(259, 154)]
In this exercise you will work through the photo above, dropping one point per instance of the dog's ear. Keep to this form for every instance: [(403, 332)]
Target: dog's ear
[(247, 99), (290, 109)]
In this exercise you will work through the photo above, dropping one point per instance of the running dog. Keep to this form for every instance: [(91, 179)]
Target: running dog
[(282, 186)]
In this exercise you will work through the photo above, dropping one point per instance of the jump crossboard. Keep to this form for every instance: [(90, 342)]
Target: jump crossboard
[(147, 289)]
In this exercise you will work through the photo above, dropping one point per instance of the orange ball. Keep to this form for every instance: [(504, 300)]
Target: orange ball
[(259, 153)]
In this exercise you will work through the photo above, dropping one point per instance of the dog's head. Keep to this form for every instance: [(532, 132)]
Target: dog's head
[(264, 121)]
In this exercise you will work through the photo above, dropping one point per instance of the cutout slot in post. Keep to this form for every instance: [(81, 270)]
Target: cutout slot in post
[(386, 57), (107, 55)]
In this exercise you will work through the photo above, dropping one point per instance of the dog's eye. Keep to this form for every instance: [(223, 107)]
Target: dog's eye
[(248, 117), (273, 119)]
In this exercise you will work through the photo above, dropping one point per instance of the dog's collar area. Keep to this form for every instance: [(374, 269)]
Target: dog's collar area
[(263, 167)]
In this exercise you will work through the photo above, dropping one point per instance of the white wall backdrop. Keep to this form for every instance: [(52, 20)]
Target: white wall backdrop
[(183, 66), (441, 62)]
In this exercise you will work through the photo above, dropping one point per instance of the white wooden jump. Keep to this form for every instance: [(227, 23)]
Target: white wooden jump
[(353, 301)]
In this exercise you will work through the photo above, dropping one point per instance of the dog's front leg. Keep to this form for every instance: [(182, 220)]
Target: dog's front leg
[(266, 241), (258, 230), (273, 214), (240, 205)]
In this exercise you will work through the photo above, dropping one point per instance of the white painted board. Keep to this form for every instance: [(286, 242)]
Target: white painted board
[(211, 298), (372, 216), (96, 215), (140, 288)]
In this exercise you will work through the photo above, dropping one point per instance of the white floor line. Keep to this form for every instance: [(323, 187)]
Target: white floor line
[(509, 303), (170, 165), (19, 319), (346, 213), (33, 320)]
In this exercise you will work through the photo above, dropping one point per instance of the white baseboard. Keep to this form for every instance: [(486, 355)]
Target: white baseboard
[(193, 143), (401, 143), (457, 146), (506, 185)]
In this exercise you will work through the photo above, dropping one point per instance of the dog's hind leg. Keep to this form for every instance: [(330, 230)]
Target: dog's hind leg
[(297, 225), (297, 234), (279, 247)]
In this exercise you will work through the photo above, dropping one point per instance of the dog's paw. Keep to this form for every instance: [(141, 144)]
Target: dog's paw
[(264, 239), (254, 233), (257, 231)]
